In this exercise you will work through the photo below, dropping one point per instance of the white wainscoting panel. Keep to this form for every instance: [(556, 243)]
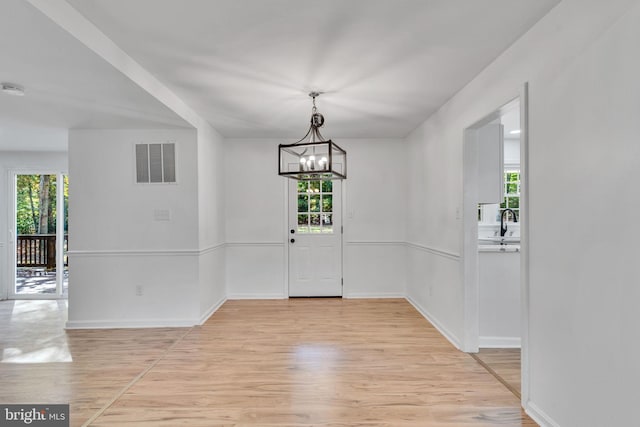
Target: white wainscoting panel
[(212, 277), (122, 290), (374, 269), (434, 287), (255, 270)]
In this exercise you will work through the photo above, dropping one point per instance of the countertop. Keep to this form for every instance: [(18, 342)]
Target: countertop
[(511, 247)]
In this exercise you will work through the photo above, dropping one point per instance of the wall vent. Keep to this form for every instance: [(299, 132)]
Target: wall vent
[(155, 163)]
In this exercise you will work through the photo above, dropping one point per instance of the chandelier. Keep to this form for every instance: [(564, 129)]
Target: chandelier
[(312, 157)]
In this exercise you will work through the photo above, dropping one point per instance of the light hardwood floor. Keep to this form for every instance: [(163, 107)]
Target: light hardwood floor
[(298, 362), (504, 364)]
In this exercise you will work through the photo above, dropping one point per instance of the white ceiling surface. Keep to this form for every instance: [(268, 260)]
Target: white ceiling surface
[(247, 65), (67, 86)]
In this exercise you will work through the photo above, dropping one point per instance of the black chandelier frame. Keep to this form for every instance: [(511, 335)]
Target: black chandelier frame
[(307, 166)]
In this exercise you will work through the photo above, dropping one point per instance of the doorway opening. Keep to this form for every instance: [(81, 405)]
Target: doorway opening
[(496, 243), (39, 236)]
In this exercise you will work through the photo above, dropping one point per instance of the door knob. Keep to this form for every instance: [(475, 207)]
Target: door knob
[(293, 231), (292, 240)]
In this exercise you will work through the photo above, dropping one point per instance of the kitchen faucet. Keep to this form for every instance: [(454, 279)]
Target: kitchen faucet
[(503, 223)]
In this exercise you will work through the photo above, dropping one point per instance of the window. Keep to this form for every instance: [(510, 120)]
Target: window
[(315, 207), (512, 191), (491, 213)]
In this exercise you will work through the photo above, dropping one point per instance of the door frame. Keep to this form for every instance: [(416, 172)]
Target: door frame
[(469, 243), (285, 242), (10, 291)]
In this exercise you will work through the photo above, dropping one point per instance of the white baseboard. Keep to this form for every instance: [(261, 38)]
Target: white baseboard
[(499, 342), (363, 295), (212, 310), (129, 324), (444, 331), (257, 296), (146, 323), (539, 416), (282, 296)]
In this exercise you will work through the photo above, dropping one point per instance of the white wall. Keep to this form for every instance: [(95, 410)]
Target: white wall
[(115, 245), (254, 211), (33, 139), (512, 152), (19, 161), (584, 96), (111, 211), (434, 282), (211, 232), (375, 192)]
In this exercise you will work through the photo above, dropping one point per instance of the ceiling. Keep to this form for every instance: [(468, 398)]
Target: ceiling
[(66, 85), (246, 66)]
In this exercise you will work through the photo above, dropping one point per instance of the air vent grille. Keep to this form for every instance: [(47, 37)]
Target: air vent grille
[(155, 163)]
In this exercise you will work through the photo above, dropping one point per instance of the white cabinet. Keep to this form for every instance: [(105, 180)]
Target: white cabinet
[(490, 144), (499, 298)]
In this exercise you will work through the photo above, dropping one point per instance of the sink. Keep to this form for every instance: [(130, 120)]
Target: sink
[(497, 240), (499, 244)]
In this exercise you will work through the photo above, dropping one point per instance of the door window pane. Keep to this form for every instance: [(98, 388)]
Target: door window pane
[(327, 223), (303, 223), (314, 186), (316, 226), (303, 203), (327, 203), (314, 203)]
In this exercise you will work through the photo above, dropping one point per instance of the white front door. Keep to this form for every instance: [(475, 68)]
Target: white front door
[(314, 237)]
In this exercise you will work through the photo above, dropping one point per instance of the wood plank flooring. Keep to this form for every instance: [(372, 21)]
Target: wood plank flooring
[(43, 363), (503, 363), (286, 363)]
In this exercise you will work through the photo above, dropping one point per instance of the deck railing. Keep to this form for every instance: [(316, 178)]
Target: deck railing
[(38, 250)]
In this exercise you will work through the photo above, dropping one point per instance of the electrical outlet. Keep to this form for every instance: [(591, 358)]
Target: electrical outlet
[(139, 290)]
